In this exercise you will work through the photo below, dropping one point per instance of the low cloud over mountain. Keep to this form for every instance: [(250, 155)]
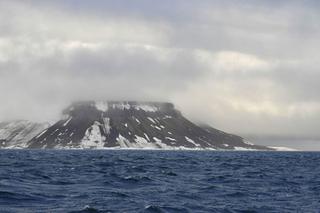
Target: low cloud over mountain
[(224, 63)]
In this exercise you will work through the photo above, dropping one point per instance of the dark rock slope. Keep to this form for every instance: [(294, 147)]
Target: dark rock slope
[(149, 125)]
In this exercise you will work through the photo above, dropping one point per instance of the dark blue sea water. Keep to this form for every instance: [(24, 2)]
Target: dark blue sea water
[(158, 181)]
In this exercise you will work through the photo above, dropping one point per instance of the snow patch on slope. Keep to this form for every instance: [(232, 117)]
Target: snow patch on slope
[(102, 105), (121, 106), (107, 126), (93, 137), (123, 142), (143, 143), (146, 108), (162, 145)]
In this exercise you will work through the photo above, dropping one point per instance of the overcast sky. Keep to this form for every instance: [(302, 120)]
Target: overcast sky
[(248, 67)]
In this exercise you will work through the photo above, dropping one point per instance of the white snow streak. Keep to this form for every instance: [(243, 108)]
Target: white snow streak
[(150, 119), (171, 139), (147, 136), (107, 126), (137, 121), (38, 136), (158, 128), (65, 123), (191, 141)]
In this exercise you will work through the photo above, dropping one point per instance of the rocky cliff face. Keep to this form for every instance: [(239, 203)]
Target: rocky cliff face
[(149, 125)]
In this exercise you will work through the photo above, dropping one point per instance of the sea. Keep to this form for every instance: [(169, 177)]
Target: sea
[(158, 181)]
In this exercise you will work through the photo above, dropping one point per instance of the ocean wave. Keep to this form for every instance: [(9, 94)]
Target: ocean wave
[(135, 181)]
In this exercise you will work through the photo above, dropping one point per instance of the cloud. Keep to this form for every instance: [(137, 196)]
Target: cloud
[(232, 61), (243, 66)]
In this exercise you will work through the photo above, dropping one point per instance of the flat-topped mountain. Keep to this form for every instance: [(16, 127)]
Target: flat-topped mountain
[(129, 124)]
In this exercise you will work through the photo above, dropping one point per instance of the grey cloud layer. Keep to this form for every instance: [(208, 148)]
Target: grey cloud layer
[(226, 63)]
